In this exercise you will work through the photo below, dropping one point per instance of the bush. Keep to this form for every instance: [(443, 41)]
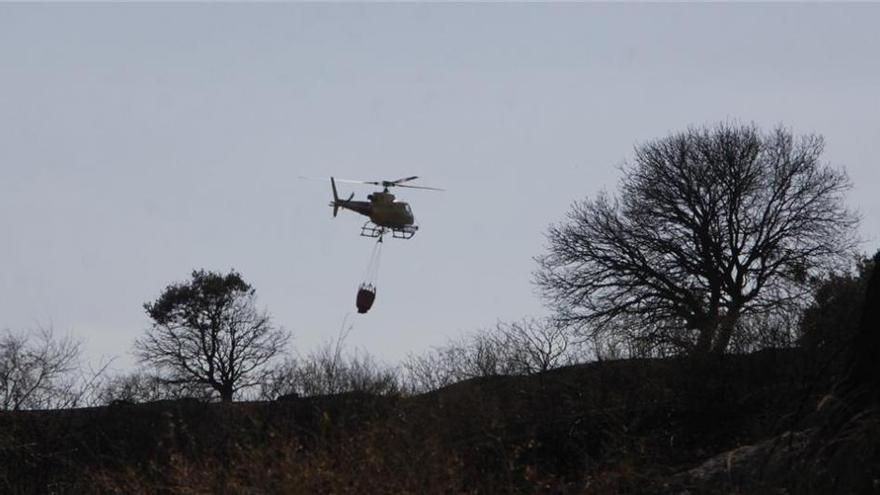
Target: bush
[(144, 386), (330, 369), (829, 325), (519, 348)]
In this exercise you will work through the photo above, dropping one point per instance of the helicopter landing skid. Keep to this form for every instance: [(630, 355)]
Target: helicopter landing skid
[(370, 229)]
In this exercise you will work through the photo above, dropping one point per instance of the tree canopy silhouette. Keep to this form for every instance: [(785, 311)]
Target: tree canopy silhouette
[(711, 226), (209, 332)]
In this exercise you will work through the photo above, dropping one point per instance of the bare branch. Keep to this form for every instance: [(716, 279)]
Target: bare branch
[(711, 226)]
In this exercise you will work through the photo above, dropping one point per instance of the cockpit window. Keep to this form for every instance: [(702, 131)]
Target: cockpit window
[(408, 210)]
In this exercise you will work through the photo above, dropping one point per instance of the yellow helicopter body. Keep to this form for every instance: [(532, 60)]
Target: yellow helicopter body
[(384, 212)]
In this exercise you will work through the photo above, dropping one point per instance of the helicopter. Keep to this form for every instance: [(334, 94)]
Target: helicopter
[(384, 212)]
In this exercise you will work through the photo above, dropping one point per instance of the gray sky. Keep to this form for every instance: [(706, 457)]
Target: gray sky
[(138, 142)]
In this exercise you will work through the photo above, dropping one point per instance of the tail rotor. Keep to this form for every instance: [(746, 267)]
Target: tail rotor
[(337, 203)]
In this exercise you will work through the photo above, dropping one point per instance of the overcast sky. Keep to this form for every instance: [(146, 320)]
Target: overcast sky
[(138, 142)]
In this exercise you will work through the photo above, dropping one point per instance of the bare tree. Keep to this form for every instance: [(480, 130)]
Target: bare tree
[(208, 331), (524, 347), (330, 369), (324, 373), (429, 371), (38, 370), (478, 354), (535, 345), (145, 386), (712, 226)]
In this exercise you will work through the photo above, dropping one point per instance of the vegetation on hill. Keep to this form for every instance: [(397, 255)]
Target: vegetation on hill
[(614, 426)]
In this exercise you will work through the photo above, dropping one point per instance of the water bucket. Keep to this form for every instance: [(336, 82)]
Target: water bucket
[(365, 297)]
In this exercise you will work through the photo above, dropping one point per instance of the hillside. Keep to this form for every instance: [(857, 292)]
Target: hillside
[(629, 426)]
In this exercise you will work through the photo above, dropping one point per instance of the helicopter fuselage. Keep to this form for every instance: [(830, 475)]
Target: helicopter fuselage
[(382, 209)]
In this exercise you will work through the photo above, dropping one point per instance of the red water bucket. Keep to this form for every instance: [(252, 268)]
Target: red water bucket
[(365, 297)]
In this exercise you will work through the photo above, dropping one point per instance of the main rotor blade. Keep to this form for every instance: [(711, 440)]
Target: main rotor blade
[(421, 187), (405, 179), (349, 181), (384, 183)]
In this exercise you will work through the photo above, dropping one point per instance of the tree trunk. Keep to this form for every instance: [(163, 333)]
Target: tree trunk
[(226, 392), (705, 337), (725, 331)]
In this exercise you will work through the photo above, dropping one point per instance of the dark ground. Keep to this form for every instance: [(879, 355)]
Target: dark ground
[(631, 426)]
